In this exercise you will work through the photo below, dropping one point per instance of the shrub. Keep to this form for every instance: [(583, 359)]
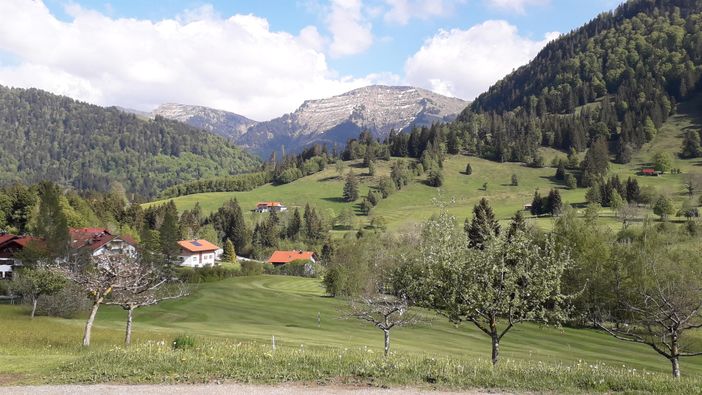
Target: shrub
[(183, 342), (251, 268), (300, 268), (436, 178), (67, 303), (207, 274)]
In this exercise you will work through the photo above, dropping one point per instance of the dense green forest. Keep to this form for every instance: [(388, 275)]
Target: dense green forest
[(617, 78), (45, 136)]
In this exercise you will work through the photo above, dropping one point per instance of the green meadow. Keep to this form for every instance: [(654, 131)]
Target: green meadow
[(243, 315), (415, 202)]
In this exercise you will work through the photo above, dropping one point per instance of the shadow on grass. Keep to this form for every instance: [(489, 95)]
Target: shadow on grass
[(334, 199)]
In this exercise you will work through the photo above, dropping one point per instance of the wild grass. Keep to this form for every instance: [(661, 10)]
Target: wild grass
[(231, 324), (158, 362)]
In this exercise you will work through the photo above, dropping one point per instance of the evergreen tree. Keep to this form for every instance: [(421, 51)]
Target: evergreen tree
[(294, 225), (169, 232), (570, 181), (469, 169), (229, 254), (229, 221), (313, 224), (518, 224), (483, 225), (537, 204), (52, 224), (555, 203), (691, 145), (351, 188), (594, 194), (515, 180), (632, 190), (560, 171), (435, 178)]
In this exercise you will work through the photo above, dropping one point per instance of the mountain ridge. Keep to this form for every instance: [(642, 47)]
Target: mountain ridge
[(331, 120)]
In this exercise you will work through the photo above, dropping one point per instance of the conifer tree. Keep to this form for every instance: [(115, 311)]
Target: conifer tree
[(537, 204), (169, 232), (351, 188), (691, 145), (229, 254), (469, 169), (560, 171), (294, 225), (518, 224), (483, 225), (52, 223), (555, 203)]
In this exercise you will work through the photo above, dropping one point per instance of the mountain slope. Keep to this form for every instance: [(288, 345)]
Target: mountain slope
[(377, 108), (617, 77), (45, 136), (223, 123)]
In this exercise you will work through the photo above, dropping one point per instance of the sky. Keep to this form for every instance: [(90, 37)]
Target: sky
[(263, 58)]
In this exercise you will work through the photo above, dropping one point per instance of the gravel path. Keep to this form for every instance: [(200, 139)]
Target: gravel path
[(213, 389)]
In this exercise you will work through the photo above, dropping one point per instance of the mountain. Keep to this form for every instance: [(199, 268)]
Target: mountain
[(223, 123), (377, 108), (46, 136), (617, 78)]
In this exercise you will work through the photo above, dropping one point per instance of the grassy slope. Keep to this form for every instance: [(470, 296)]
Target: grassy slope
[(256, 308), (414, 203)]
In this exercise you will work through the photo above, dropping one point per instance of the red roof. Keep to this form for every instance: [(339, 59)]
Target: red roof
[(648, 171), (10, 246), (92, 238), (289, 256), (6, 237), (197, 245)]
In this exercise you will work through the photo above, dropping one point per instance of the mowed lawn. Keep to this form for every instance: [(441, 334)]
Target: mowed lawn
[(254, 309)]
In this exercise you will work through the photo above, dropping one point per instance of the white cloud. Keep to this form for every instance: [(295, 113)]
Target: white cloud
[(351, 32), (401, 11), (237, 63), (518, 6), (464, 63)]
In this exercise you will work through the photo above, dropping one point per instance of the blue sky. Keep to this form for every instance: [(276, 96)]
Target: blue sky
[(262, 58)]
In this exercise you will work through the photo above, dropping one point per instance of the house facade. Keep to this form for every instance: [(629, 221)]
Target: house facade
[(266, 207), (280, 258), (198, 253), (96, 241), (10, 245)]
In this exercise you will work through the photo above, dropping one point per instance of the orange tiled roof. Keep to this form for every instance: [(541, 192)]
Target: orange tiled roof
[(197, 245), (289, 256)]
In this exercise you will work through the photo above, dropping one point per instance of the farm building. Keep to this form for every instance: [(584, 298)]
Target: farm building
[(265, 207), (198, 253), (282, 257)]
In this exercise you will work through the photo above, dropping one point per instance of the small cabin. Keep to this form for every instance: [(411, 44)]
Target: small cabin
[(651, 172), (266, 207), (198, 253)]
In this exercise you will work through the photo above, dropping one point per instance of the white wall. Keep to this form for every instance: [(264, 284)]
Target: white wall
[(197, 259), (5, 270)]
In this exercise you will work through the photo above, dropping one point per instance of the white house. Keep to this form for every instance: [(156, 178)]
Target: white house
[(101, 241), (198, 253), (265, 207)]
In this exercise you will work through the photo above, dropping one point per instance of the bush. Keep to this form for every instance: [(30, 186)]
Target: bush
[(436, 178), (67, 303), (183, 342), (207, 274), (251, 268), (300, 268)]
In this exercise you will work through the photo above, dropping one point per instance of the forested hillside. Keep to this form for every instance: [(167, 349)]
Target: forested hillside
[(618, 78), (45, 136)]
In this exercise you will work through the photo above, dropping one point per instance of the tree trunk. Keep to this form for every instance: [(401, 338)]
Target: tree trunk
[(674, 357), (89, 323), (34, 307), (495, 350), (676, 367), (387, 341), (128, 334)]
